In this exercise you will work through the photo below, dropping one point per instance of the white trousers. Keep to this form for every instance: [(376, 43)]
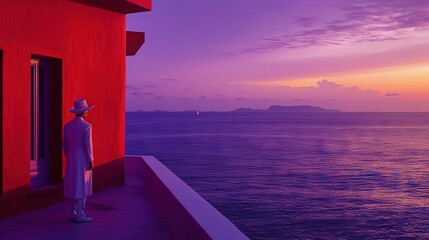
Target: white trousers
[(77, 207)]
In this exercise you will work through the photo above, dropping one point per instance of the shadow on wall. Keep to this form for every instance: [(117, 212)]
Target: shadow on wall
[(108, 175), (22, 200)]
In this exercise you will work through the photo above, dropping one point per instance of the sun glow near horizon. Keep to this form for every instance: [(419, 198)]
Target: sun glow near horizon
[(413, 80)]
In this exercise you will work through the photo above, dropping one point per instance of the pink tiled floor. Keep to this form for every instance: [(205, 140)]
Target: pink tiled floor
[(119, 213)]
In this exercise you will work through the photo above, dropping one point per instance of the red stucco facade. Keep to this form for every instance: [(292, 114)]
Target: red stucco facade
[(86, 45)]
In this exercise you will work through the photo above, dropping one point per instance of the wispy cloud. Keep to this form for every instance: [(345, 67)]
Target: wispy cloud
[(331, 87), (360, 21), (297, 100), (306, 21), (132, 88), (136, 94), (169, 79), (392, 94)]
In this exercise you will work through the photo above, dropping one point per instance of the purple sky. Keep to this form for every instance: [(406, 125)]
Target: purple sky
[(224, 54)]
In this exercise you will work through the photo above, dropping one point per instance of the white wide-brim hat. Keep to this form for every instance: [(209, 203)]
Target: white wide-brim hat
[(80, 106)]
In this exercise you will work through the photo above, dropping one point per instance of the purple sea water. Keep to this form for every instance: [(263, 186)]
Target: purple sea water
[(299, 175)]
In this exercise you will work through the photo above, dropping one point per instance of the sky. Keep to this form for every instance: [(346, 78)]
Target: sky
[(220, 55)]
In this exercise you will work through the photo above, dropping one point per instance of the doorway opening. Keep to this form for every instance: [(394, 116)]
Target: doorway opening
[(46, 121)]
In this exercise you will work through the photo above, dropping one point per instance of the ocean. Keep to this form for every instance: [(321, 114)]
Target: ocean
[(276, 175)]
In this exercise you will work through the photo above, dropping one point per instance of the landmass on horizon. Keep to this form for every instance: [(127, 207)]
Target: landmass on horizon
[(273, 108), (279, 108)]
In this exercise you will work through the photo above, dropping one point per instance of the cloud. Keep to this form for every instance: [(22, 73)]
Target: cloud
[(333, 86), (169, 79), (306, 21), (150, 86), (327, 84), (357, 22), (135, 93), (392, 94), (132, 88)]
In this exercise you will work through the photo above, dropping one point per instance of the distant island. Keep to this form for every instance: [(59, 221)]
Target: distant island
[(278, 108), (273, 108)]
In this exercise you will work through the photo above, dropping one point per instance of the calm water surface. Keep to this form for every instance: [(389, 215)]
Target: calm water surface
[(299, 175)]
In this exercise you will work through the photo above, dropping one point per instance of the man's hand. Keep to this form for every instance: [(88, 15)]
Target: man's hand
[(91, 165)]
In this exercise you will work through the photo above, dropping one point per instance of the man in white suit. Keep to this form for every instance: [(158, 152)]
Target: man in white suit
[(77, 146)]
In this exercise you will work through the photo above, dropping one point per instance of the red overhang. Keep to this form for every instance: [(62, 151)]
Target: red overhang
[(121, 6), (134, 41)]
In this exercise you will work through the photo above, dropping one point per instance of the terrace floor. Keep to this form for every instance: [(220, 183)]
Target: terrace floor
[(124, 212)]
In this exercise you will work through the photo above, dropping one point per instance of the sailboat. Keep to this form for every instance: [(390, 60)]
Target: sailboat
[(197, 113)]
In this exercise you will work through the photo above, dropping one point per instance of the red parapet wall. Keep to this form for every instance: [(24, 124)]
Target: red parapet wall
[(187, 214)]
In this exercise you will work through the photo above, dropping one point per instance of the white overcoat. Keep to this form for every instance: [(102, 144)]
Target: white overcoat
[(77, 146)]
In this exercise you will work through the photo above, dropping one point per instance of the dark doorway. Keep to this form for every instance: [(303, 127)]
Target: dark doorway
[(46, 121)]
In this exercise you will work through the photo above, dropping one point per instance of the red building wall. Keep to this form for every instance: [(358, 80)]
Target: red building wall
[(90, 45)]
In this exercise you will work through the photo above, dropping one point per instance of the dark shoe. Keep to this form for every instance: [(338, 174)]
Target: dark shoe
[(83, 219)]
